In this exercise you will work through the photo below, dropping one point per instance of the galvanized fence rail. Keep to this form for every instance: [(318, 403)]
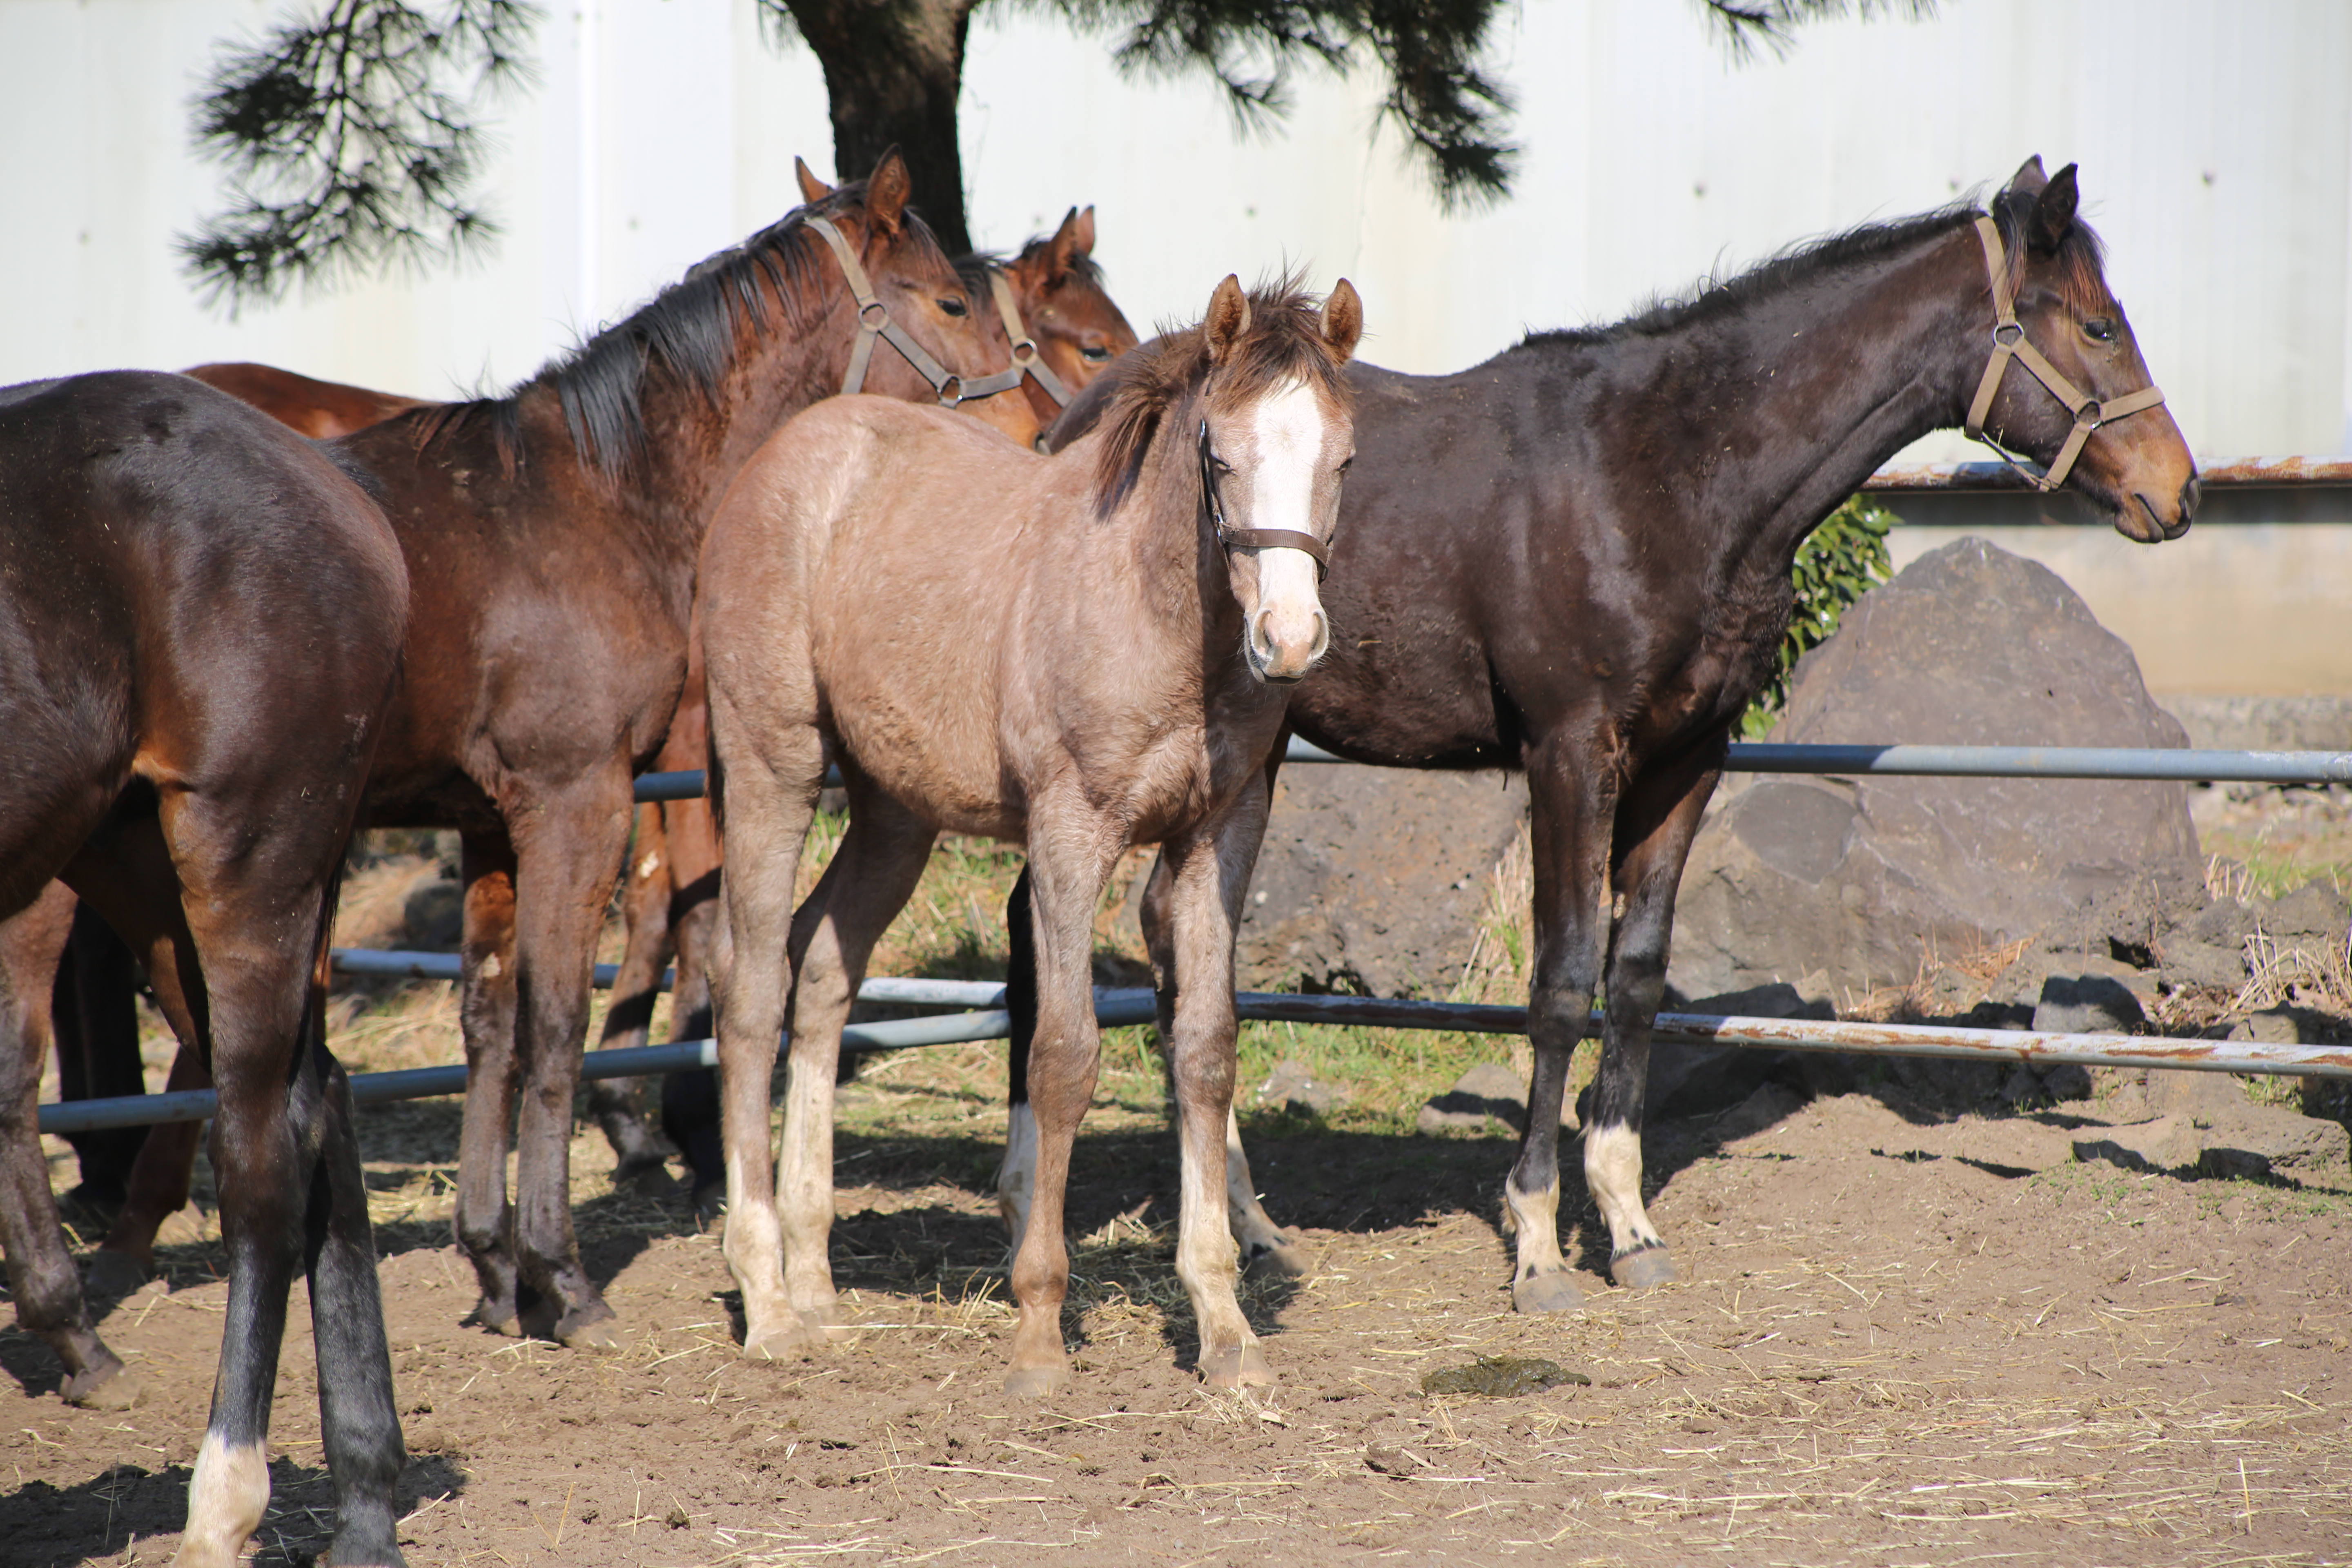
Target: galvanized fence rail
[(990, 1022)]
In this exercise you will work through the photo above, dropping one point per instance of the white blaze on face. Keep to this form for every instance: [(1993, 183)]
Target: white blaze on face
[(1286, 629)]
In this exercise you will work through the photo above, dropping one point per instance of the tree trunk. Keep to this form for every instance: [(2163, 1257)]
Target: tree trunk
[(892, 69)]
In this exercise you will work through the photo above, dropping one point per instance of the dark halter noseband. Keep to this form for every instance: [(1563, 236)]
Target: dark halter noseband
[(1253, 538), (2009, 342), (874, 321)]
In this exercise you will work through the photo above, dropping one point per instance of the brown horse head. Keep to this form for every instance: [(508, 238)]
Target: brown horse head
[(1078, 328), (1255, 398), (2136, 468)]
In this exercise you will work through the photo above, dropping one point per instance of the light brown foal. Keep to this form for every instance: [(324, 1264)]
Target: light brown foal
[(1082, 653)]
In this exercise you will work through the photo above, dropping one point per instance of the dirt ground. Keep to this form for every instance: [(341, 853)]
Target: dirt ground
[(1909, 1337)]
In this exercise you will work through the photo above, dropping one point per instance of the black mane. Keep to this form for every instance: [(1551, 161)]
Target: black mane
[(1715, 298), (687, 331)]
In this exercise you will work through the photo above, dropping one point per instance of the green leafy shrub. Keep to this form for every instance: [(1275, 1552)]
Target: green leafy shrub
[(1842, 560)]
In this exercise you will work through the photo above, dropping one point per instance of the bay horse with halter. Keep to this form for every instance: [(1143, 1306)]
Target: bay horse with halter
[(1598, 529), (200, 624), (1080, 653), (1060, 328), (552, 537)]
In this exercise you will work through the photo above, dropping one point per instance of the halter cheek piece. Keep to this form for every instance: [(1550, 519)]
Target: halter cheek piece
[(2009, 342), (1255, 538), (874, 321)]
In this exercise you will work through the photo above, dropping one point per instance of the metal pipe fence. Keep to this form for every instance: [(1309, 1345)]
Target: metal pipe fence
[(1114, 1007), (2118, 763)]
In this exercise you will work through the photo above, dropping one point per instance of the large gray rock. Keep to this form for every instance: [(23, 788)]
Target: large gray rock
[(1372, 880), (1864, 878)]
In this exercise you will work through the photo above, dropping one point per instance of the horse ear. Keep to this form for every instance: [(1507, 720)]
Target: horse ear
[(1083, 237), (813, 190), (1343, 320), (2053, 210), (887, 190), (1228, 319), (1064, 252), (2029, 178)]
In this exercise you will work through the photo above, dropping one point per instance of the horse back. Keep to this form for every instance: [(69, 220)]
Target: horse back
[(897, 561), (1503, 565), (175, 568)]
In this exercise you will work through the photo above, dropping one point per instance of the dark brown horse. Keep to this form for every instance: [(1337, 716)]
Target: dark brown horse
[(1080, 652), (1058, 304), (1597, 529), (90, 1012), (201, 623)]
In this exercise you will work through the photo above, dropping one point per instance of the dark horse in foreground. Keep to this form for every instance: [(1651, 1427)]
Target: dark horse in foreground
[(1574, 560), (201, 621)]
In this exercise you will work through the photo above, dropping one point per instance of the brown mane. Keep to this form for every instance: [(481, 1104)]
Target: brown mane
[(1284, 342)]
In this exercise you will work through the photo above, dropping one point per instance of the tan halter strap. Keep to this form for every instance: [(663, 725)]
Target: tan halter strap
[(2009, 342), (1026, 360), (874, 321)]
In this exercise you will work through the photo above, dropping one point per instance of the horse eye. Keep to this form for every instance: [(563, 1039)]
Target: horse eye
[(2099, 329), (953, 307), (1094, 354), (1346, 463)]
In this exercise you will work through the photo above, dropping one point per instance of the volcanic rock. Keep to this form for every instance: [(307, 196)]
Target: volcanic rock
[(1875, 879), (1372, 880)]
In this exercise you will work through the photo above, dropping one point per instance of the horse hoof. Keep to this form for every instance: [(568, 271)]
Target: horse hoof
[(101, 1388), (1286, 1261), (114, 1274), (1546, 1294), (1646, 1270), (1037, 1382), (592, 1326), (499, 1318), (1243, 1366), (709, 1203), (787, 1341), (828, 1323)]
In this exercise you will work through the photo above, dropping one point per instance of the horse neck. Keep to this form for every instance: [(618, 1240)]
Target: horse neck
[(1180, 577), (1828, 380), (697, 443)]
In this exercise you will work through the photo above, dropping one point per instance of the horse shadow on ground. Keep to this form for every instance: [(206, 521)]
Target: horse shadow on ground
[(47, 1526)]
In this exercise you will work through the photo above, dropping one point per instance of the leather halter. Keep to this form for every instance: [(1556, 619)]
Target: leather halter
[(1253, 538), (2009, 342), (874, 321)]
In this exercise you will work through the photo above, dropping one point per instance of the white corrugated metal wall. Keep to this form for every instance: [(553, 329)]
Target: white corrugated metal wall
[(2215, 142)]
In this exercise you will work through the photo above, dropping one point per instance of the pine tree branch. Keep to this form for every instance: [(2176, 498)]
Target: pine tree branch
[(1448, 107), (351, 141), (1743, 26)]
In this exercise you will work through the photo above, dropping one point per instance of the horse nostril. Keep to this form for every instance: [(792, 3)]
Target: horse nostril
[(2189, 494)]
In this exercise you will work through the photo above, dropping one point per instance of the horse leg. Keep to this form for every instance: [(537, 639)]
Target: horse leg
[(1070, 857), (1569, 802), (273, 1169), (767, 795), (1267, 1251), (564, 884), (162, 1179), (1017, 1176), (871, 877), (486, 1014), (619, 1104), (1656, 824), (41, 1277), (691, 1098), (357, 1416), (1211, 877), (94, 1017)]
